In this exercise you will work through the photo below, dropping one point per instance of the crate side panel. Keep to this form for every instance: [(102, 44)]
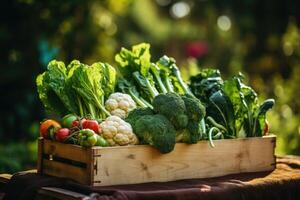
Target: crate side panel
[(59, 169), (139, 164), (67, 151)]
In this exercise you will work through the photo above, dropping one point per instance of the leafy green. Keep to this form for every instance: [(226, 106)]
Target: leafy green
[(77, 88), (204, 84), (51, 86)]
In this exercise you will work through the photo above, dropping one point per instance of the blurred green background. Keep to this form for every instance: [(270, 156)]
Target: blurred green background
[(259, 38)]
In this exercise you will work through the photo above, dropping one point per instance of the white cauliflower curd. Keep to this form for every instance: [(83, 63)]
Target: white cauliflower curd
[(117, 132), (120, 104)]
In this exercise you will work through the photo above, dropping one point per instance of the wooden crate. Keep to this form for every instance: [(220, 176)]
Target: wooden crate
[(98, 166)]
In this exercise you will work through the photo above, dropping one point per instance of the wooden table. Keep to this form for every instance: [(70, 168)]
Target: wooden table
[(285, 177)]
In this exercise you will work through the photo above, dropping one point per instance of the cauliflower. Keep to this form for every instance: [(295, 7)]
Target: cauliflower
[(117, 132), (120, 104)]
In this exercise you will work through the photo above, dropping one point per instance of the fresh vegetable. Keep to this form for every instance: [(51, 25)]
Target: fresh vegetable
[(232, 107), (196, 125), (204, 84), (136, 114), (101, 141), (88, 84), (77, 88), (47, 127), (117, 132), (68, 120), (144, 80), (157, 131), (62, 134), (172, 106), (87, 138), (120, 104), (91, 124)]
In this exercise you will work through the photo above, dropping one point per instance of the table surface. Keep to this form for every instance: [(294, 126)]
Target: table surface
[(282, 183)]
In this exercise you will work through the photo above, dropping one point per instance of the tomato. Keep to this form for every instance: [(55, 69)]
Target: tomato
[(266, 128), (77, 122), (46, 126), (91, 124), (68, 120), (61, 134)]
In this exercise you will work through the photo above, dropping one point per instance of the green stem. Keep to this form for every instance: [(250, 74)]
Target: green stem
[(92, 110), (210, 138), (215, 124), (101, 107), (137, 99), (160, 83), (153, 91), (80, 107)]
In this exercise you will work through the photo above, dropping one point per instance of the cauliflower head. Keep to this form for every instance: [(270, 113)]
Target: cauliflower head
[(120, 104), (117, 132)]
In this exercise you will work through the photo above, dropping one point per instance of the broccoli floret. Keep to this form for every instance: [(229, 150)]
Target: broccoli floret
[(195, 112), (157, 131), (172, 106), (135, 114)]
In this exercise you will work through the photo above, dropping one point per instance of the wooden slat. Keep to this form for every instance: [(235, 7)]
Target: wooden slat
[(68, 151), (142, 163), (59, 169)]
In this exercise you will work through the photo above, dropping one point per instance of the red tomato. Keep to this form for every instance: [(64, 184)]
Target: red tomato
[(77, 123), (91, 124), (46, 125), (62, 134)]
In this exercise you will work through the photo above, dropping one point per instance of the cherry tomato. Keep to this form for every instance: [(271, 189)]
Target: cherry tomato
[(68, 120), (77, 123), (91, 124), (61, 134), (46, 126)]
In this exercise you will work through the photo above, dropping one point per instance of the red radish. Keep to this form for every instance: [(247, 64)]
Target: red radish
[(62, 134), (91, 124)]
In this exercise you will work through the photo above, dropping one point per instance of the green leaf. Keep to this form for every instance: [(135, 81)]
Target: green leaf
[(220, 108)]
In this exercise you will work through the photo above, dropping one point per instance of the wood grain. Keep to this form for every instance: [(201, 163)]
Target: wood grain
[(67, 151), (139, 164), (142, 163), (59, 169)]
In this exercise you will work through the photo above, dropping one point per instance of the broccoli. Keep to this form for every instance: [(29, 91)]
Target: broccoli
[(194, 129), (136, 114), (195, 110), (157, 131), (172, 106)]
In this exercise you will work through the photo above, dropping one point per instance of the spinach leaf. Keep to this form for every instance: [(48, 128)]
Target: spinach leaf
[(207, 82), (220, 108)]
